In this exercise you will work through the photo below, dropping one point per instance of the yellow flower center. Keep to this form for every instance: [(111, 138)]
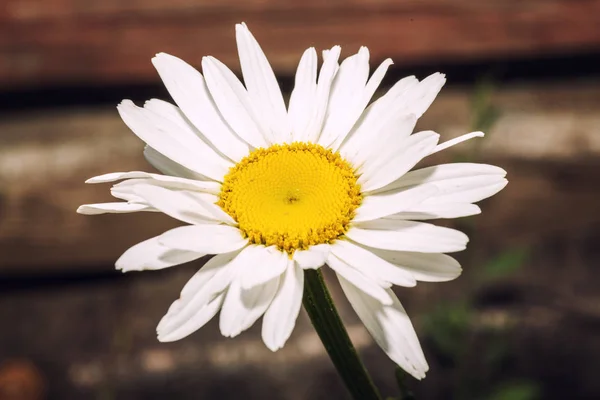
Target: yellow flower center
[(292, 196)]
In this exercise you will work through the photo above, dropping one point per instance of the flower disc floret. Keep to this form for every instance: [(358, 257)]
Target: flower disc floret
[(292, 196)]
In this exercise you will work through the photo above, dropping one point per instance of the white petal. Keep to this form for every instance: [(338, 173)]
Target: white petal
[(457, 183), (408, 236), (242, 307), (368, 285), (184, 205), (312, 258), (419, 97), (210, 239), (456, 141), (178, 121), (170, 167), (162, 180), (424, 267), (151, 255), (379, 117), (326, 76), (233, 101), (471, 190), (195, 322), (166, 138), (280, 317), (187, 87), (302, 100), (262, 85), (346, 98), (390, 327), (407, 96), (386, 142), (381, 205), (370, 264), (209, 282), (399, 159), (435, 211), (116, 208), (368, 93), (267, 263)]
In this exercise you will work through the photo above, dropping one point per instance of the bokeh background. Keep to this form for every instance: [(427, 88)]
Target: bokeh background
[(521, 323)]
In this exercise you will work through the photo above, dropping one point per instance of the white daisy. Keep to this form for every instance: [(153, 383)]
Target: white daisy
[(272, 191)]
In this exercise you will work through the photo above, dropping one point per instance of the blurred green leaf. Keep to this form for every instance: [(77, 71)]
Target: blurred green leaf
[(484, 114), (447, 326), (505, 264), (516, 391)]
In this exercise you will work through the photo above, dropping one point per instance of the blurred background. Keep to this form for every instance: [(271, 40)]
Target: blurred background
[(521, 323)]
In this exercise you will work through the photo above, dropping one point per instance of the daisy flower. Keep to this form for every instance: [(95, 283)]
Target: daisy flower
[(272, 191)]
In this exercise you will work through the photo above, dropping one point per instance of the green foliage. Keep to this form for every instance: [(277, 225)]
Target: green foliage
[(505, 264), (447, 326), (449, 331), (484, 114), (523, 390)]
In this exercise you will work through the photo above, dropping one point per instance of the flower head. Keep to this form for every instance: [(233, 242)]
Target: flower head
[(272, 191)]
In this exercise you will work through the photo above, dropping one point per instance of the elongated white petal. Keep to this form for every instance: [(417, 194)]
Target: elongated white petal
[(435, 211), (113, 208), (458, 184), (209, 282), (269, 263), (312, 258), (378, 117), (280, 318), (151, 255), (195, 322), (368, 92), (210, 239), (326, 76), (451, 179), (169, 167), (179, 123), (379, 172), (380, 205), (455, 141), (474, 189), (171, 182), (233, 101), (384, 143), (302, 101), (186, 206), (390, 327), (424, 267), (419, 97), (407, 96), (408, 236), (242, 307), (370, 264), (346, 96), (173, 145), (262, 85), (368, 285), (187, 87)]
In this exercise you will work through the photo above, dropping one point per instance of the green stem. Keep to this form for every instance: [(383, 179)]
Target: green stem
[(321, 310), (405, 394)]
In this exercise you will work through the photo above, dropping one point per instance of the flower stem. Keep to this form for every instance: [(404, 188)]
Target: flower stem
[(324, 317)]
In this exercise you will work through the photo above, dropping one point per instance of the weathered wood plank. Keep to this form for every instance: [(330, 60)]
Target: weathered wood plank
[(76, 42), (46, 156)]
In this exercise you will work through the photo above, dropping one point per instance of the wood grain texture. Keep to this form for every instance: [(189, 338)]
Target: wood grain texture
[(83, 42)]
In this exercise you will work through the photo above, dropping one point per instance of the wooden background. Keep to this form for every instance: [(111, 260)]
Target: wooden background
[(53, 42)]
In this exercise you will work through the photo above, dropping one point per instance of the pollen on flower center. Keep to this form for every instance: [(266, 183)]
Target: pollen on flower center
[(292, 196)]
